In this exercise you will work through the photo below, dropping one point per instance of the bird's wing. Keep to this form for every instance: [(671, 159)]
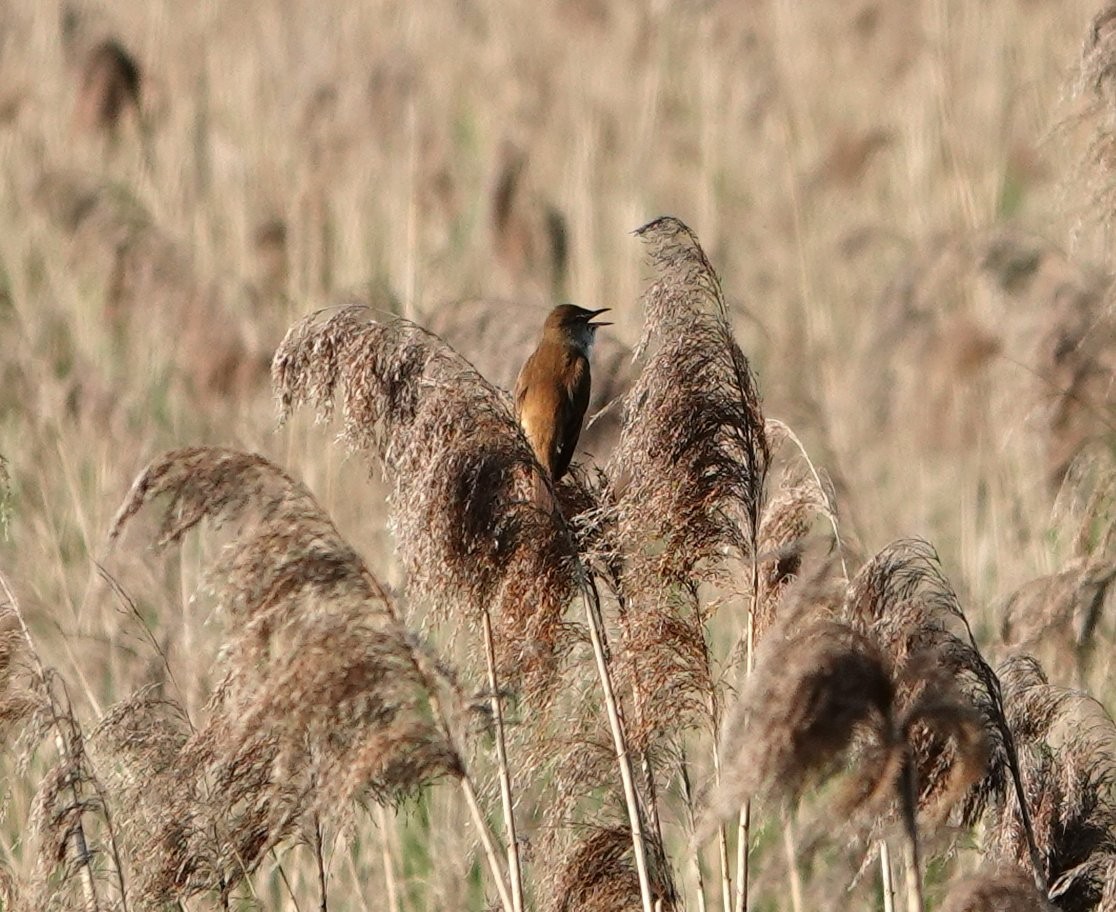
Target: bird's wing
[(570, 415), (536, 414), (521, 387)]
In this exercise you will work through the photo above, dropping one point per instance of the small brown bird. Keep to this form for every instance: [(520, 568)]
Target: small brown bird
[(552, 391)]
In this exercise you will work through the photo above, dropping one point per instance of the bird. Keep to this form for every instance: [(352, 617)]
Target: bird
[(552, 391)]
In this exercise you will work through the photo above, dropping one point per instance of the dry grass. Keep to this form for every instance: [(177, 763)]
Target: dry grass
[(290, 704)]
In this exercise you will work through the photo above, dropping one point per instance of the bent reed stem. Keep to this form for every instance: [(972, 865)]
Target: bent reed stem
[(514, 872), (597, 635)]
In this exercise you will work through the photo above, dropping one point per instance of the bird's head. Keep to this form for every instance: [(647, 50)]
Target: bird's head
[(573, 325)]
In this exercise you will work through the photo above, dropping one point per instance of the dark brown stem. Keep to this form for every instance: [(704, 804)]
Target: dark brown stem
[(912, 867), (319, 857)]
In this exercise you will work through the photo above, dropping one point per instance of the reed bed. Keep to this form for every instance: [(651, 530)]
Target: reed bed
[(819, 619)]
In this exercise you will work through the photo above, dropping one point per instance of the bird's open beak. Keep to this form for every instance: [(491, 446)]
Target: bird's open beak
[(593, 314)]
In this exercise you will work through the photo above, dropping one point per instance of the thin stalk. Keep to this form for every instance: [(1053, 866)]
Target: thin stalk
[(487, 842), (743, 829), (726, 876), (282, 876), (514, 874), (319, 857), (911, 864), (597, 636), (744, 825), (388, 861), (722, 833), (644, 758), (652, 792), (888, 881), (695, 858), (80, 844), (114, 847), (792, 860), (468, 790)]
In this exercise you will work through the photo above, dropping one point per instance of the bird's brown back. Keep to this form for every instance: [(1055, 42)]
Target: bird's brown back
[(551, 396)]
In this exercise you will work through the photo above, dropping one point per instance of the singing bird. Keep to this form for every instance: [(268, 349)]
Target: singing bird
[(552, 391)]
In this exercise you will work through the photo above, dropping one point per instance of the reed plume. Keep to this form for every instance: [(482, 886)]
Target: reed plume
[(693, 453), (24, 706), (460, 469), (34, 704), (788, 518), (1007, 889), (903, 599), (325, 699), (1061, 613), (824, 696), (469, 533), (1066, 742), (689, 472), (813, 691), (597, 875)]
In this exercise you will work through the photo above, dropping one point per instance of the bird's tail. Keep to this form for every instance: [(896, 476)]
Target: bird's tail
[(542, 493)]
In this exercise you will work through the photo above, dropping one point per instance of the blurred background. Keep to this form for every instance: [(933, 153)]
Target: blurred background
[(908, 202)]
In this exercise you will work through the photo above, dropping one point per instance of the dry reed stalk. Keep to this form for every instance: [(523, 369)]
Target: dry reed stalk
[(616, 726), (791, 853), (514, 873), (326, 696), (887, 883), (388, 860), (695, 854)]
